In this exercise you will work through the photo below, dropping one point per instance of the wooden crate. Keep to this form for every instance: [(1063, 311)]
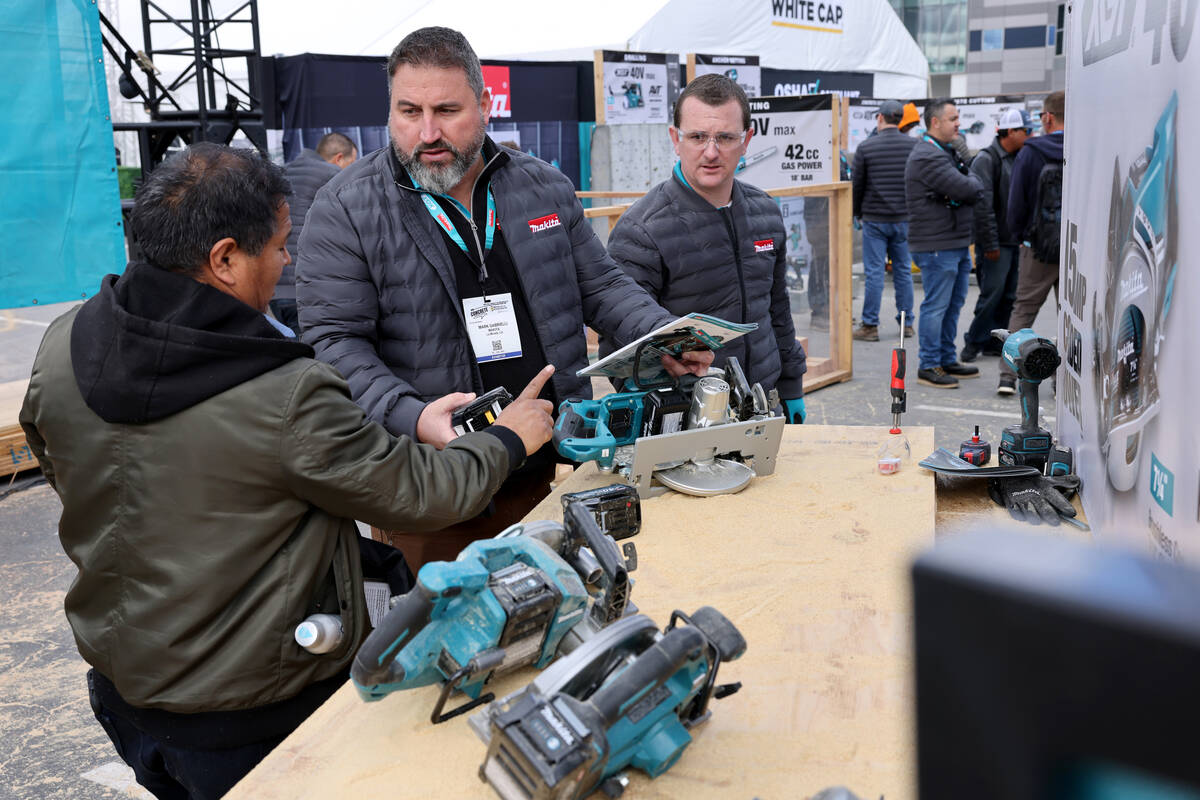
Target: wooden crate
[(15, 454)]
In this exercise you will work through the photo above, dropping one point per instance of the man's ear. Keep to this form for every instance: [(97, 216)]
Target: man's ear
[(221, 260), (485, 104), (674, 134)]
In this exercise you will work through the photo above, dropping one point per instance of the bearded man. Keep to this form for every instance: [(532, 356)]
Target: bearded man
[(445, 266)]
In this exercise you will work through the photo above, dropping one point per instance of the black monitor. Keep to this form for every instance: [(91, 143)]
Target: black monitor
[(1047, 668)]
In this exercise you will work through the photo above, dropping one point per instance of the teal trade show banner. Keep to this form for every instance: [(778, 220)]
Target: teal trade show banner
[(60, 210)]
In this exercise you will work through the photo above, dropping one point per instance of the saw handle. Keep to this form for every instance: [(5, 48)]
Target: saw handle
[(583, 529), (653, 666), (375, 661)]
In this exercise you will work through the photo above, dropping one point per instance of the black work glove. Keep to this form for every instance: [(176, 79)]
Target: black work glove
[(1035, 499)]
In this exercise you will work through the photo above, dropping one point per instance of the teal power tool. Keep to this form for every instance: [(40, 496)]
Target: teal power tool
[(504, 603), (694, 435), (628, 698), (1033, 358)]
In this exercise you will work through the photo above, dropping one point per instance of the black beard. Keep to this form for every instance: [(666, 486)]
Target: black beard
[(440, 179)]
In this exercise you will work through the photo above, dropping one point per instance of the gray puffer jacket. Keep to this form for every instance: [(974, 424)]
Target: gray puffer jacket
[(378, 298), (307, 173), (939, 198), (728, 262)]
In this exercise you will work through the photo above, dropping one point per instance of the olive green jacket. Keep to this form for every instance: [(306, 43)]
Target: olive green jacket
[(203, 538)]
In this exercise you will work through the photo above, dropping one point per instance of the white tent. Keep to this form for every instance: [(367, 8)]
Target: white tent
[(846, 36)]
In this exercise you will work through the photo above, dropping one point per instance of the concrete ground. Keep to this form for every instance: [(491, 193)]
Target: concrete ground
[(51, 745)]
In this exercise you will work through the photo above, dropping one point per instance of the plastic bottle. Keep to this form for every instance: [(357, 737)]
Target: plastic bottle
[(893, 452), (320, 633)]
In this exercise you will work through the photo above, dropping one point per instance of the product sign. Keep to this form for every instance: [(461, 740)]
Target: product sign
[(977, 117), (792, 143), (742, 70), (637, 87), (495, 79), (1130, 300)]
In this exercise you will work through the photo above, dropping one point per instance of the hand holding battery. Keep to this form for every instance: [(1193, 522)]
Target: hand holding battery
[(434, 426), (696, 362), (529, 417)]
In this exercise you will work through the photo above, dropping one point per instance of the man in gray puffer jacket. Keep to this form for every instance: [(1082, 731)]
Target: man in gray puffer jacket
[(702, 241), (940, 192), (445, 265)]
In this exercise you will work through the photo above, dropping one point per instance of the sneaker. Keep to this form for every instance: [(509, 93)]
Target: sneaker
[(1008, 385), (937, 378), (961, 370), (866, 333), (909, 333), (969, 353)]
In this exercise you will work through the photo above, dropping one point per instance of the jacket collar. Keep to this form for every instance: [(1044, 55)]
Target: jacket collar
[(691, 199)]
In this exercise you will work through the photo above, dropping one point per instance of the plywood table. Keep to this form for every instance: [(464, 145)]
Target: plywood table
[(810, 563), (15, 454)]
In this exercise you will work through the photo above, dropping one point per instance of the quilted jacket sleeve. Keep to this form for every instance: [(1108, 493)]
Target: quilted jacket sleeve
[(347, 466), (339, 315), (613, 303)]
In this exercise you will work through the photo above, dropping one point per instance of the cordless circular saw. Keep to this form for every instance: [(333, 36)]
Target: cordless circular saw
[(627, 698), (504, 603)]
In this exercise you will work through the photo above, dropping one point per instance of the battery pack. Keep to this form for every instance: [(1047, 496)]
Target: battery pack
[(665, 411)]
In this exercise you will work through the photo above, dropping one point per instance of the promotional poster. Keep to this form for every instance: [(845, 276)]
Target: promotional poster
[(636, 87), (1128, 285), (792, 143), (742, 70)]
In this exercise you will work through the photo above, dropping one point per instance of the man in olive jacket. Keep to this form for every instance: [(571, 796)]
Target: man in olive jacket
[(210, 472)]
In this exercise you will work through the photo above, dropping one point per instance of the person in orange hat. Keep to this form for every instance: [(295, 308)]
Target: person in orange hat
[(909, 118)]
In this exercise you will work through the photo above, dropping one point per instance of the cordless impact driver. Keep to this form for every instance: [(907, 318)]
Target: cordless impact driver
[(1034, 358)]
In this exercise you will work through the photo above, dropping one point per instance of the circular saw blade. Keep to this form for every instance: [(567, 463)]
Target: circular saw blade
[(719, 476)]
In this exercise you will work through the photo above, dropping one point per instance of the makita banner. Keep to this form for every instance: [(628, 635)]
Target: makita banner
[(807, 81), (792, 144), (1129, 284), (497, 83), (742, 70)]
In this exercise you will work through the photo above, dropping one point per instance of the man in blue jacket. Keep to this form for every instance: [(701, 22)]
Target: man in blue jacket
[(1035, 277), (940, 193)]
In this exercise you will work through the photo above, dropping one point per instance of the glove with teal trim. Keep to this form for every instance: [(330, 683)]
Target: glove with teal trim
[(794, 410)]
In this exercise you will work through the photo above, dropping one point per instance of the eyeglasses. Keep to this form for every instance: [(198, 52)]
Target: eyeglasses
[(699, 140)]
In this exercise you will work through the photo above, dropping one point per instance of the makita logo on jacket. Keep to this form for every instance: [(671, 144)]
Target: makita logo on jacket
[(544, 223), (764, 246)]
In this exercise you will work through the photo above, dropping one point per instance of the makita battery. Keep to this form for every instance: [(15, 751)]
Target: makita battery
[(665, 411)]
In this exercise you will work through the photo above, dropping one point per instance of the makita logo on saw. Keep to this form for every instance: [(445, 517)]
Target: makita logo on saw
[(764, 246), (544, 223)]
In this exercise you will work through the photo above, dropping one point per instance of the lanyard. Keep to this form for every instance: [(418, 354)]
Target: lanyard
[(439, 215)]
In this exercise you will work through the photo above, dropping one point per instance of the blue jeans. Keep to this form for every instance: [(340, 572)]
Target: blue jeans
[(944, 274), (880, 240)]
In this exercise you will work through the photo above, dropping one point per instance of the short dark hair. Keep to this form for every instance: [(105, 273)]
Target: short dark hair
[(714, 90), (438, 47), (335, 143), (198, 197), (1056, 104), (935, 108)]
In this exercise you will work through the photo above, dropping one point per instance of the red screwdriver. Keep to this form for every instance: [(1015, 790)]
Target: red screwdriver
[(899, 399)]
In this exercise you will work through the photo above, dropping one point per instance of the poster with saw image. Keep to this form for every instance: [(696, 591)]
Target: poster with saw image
[(742, 70), (1129, 279), (977, 117), (792, 143), (637, 87)]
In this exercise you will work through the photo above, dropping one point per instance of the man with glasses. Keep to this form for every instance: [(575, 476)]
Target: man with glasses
[(1034, 212), (702, 241)]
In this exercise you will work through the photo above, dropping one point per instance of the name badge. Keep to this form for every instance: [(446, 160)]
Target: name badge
[(492, 325)]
